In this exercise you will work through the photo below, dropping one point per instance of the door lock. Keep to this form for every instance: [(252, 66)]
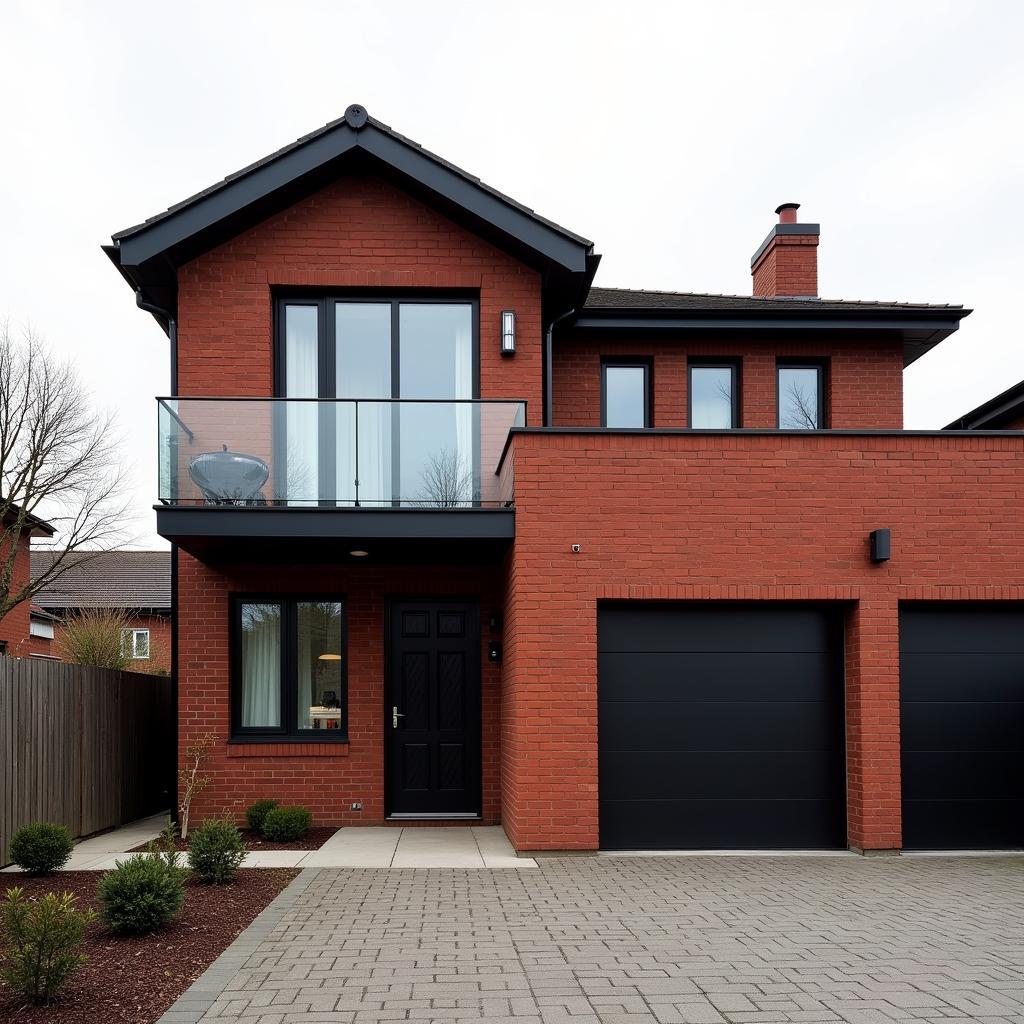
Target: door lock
[(395, 716)]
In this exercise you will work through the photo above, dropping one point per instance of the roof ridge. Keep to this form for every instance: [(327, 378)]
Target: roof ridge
[(810, 299)]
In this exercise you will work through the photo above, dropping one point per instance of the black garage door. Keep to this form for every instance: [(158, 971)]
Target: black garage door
[(721, 726), (962, 729)]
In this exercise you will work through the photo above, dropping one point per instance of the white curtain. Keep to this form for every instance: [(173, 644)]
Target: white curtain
[(463, 388), (261, 665), (301, 378)]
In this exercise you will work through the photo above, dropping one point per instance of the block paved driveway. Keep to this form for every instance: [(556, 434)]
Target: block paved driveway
[(636, 941)]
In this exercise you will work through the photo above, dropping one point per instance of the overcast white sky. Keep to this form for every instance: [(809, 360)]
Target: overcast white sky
[(666, 132)]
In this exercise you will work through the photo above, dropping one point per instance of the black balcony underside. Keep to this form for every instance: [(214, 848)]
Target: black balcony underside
[(219, 534)]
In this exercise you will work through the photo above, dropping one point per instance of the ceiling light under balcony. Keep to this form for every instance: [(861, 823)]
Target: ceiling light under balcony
[(358, 553)]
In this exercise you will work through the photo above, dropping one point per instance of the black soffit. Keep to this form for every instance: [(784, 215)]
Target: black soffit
[(148, 254)]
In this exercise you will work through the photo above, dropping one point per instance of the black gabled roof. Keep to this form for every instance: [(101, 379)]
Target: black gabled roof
[(330, 126), (993, 414), (920, 326), (149, 253), (633, 298)]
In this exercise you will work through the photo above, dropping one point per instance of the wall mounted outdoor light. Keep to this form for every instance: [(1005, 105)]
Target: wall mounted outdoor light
[(881, 545), (508, 332)]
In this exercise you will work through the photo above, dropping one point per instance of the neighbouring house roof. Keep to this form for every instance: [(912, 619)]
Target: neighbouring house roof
[(149, 253), (40, 613), (37, 525), (994, 413), (110, 579), (919, 325)]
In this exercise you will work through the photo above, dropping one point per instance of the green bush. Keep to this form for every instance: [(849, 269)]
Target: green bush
[(216, 851), (41, 847), (42, 941), (285, 824), (258, 812), (144, 892)]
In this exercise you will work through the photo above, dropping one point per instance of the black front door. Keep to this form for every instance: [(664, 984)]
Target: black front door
[(432, 714)]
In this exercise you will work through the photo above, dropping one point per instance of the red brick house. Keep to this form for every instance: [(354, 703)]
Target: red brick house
[(16, 625), (459, 536), (137, 583)]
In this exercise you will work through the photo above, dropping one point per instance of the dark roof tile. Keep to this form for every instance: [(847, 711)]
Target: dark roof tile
[(109, 579), (656, 301)]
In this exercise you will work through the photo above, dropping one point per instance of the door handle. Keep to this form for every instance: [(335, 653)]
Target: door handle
[(395, 716)]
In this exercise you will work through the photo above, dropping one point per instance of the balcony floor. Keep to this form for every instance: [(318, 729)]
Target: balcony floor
[(218, 534)]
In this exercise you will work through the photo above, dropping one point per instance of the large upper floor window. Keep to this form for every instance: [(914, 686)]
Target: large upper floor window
[(801, 396), (625, 393), (405, 372), (714, 395), (289, 675)]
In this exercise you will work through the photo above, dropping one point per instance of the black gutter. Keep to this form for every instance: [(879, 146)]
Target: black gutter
[(549, 368), (750, 432)]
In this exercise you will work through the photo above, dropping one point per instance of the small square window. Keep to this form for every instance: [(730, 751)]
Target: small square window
[(801, 396), (626, 394), (135, 643), (714, 396)]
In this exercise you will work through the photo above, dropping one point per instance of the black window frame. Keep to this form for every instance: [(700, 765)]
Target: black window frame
[(323, 300), (288, 731), (711, 363), (822, 368), (646, 363)]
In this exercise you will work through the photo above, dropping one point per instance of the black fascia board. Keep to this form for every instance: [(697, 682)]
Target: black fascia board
[(140, 245), (919, 330), (320, 523)]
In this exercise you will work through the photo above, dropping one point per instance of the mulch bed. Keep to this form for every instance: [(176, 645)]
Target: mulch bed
[(134, 980), (312, 840)]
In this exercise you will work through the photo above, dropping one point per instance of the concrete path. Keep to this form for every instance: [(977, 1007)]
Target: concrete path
[(370, 847), (669, 940)]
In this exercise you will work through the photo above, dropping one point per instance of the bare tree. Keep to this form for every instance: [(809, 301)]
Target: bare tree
[(58, 463), (447, 482), (801, 410)]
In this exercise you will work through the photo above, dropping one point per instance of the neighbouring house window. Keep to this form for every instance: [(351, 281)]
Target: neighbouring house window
[(41, 628), (289, 669), (714, 396), (801, 396), (625, 394), (134, 643)]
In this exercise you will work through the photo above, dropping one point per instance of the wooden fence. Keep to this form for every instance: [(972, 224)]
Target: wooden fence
[(84, 747)]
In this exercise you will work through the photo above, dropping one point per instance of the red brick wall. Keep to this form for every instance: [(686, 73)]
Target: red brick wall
[(865, 379), (752, 517), (14, 626), (159, 627), (326, 778), (360, 233)]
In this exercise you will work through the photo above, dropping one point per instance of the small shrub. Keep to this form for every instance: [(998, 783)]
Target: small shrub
[(41, 847), (42, 939), (216, 851), (144, 892), (284, 824), (256, 814)]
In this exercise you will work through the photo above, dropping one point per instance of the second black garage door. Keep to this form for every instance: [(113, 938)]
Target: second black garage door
[(720, 726), (962, 725)]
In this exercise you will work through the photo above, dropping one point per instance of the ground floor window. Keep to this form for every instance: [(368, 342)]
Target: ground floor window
[(288, 669), (134, 643)]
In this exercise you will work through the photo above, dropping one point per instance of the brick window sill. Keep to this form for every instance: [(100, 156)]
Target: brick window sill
[(271, 749)]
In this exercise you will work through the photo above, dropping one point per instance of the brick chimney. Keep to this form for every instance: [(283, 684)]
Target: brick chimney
[(787, 261)]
